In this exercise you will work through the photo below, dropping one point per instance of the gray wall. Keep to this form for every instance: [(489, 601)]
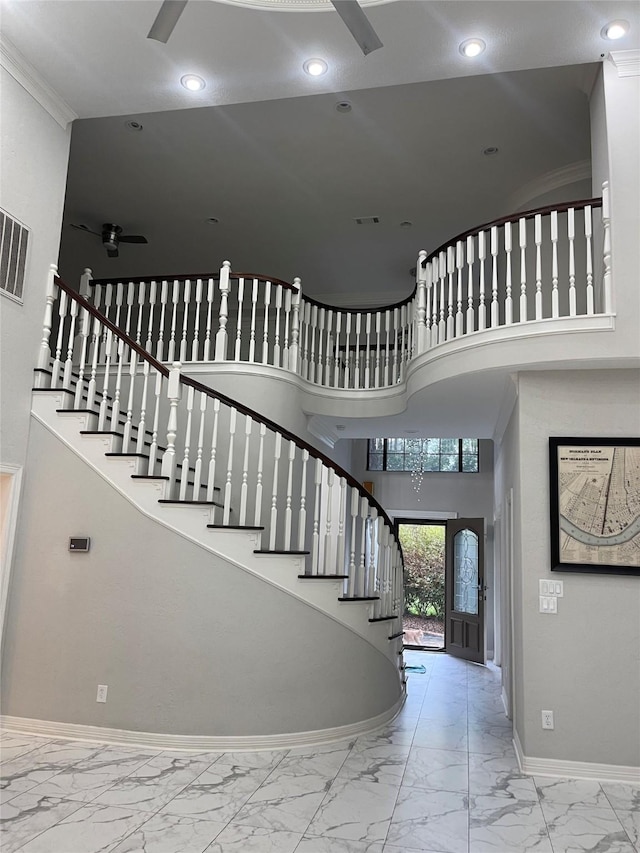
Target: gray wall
[(186, 643), (584, 663)]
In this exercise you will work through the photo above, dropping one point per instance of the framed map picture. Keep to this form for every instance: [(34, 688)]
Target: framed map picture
[(595, 505)]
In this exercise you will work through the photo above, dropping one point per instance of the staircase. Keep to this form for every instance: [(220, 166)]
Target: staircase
[(218, 474)]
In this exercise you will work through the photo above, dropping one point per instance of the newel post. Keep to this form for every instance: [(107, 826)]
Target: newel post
[(421, 301), (606, 224), (221, 336), (85, 287), (294, 346), (174, 392), (44, 354)]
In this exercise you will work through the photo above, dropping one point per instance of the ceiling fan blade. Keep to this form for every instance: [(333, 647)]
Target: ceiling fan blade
[(358, 24), (85, 229), (166, 20), (132, 238), (113, 253)]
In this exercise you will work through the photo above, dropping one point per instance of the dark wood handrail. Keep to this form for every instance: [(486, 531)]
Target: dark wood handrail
[(192, 276), (346, 310), (516, 217), (240, 407), (106, 322)]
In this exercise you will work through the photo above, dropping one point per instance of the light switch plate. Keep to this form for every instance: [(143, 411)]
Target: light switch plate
[(548, 604)]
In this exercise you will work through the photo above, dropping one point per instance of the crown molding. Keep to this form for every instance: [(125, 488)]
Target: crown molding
[(296, 5), (562, 177), (627, 62), (26, 75)]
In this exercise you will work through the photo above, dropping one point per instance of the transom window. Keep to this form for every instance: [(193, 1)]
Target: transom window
[(423, 454)]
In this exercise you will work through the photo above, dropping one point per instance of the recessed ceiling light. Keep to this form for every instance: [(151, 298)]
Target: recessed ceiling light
[(615, 30), (133, 125), (315, 67), (344, 107), (211, 220), (490, 151), (472, 47), (192, 82), (406, 224)]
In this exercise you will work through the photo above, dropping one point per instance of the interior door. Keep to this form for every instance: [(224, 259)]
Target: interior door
[(465, 589)]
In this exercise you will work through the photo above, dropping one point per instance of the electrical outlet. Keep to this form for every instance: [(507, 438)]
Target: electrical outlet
[(547, 719), (102, 693)]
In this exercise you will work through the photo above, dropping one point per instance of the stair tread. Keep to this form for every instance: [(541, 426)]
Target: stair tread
[(133, 455), (279, 551), (233, 527), (55, 390), (360, 598), (101, 432), (191, 503), (324, 577), (382, 618), (149, 477), (395, 636), (77, 411)]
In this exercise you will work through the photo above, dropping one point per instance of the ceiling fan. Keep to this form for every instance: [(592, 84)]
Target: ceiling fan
[(112, 236), (349, 10)]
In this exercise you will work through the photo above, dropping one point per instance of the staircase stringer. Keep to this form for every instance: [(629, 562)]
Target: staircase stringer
[(189, 522)]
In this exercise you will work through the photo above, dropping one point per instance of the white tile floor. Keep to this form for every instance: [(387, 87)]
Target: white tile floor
[(442, 778)]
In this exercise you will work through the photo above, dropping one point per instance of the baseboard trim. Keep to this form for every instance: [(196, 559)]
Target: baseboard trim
[(574, 769), (252, 743)]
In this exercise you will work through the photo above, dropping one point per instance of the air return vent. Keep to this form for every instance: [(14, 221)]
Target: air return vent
[(367, 220), (13, 256)]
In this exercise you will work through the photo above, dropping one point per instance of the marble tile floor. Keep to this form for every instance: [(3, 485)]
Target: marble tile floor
[(441, 778)]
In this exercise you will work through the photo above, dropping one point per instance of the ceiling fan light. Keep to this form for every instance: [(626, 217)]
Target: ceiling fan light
[(472, 48), (315, 67), (615, 30), (192, 82)]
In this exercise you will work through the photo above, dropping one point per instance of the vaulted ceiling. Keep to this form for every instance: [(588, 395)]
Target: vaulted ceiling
[(263, 150)]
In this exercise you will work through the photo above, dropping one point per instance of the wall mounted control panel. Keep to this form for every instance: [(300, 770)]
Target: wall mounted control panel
[(79, 543)]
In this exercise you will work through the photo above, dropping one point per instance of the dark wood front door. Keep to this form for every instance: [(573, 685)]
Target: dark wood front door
[(464, 628)]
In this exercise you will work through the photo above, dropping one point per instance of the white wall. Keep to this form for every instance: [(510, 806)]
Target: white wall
[(35, 150), (186, 643), (584, 662)]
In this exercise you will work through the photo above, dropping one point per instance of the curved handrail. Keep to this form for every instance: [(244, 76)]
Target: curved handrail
[(515, 217), (240, 407), (196, 275)]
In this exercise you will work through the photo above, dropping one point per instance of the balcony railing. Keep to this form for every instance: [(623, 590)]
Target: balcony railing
[(544, 264)]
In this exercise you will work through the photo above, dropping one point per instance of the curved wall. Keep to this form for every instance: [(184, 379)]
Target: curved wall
[(186, 643)]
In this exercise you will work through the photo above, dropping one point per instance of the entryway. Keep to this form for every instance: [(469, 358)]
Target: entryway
[(423, 545)]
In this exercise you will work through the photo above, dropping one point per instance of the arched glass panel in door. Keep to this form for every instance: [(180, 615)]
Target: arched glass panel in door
[(465, 571)]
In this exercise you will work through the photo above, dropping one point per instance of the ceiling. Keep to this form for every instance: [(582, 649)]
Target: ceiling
[(263, 150)]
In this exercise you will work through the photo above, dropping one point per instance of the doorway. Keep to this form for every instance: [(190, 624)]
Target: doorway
[(424, 548)]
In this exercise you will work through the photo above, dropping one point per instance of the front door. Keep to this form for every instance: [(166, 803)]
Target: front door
[(464, 627)]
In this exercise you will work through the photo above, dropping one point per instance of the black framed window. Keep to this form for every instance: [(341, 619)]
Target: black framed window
[(443, 455)]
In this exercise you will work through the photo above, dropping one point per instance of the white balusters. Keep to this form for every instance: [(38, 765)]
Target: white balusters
[(321, 332), (376, 374), (495, 319), (131, 400), (174, 393), (142, 289), (387, 354), (571, 235), (195, 344), (265, 328), (211, 295), (360, 583), (186, 300), (435, 276), (153, 449), (95, 352), (226, 512), (44, 353), (85, 326), (153, 290), (142, 422), (470, 308), (287, 340), (554, 264), (353, 542), (273, 520), (450, 273), (340, 542), (68, 365), (288, 512), (119, 348), (459, 265), (244, 486), (104, 402), (293, 359), (62, 313), (522, 234), (315, 535), (588, 231), (252, 331), (538, 241), (427, 310), (328, 551), (259, 477), (421, 301), (367, 366), (184, 473), (336, 354), (164, 296), (175, 299), (482, 254), (197, 474), (508, 303), (442, 325), (277, 354), (302, 513), (221, 335)]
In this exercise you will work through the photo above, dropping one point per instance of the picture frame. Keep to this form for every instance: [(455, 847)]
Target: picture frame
[(594, 490)]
